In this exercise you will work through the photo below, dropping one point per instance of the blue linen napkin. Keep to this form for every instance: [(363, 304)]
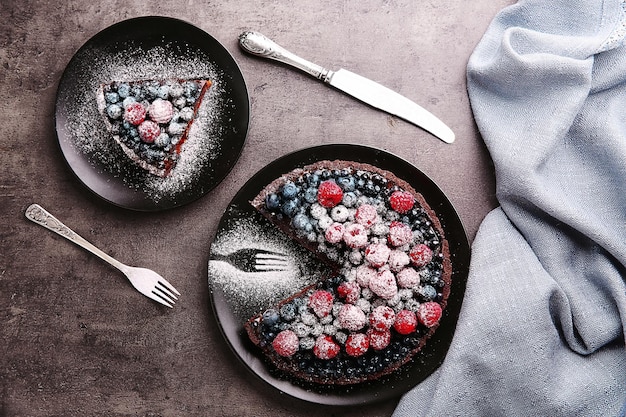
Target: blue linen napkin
[(541, 331)]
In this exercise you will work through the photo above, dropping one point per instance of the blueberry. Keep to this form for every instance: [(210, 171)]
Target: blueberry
[(310, 195), (138, 93), (272, 201), (289, 190), (123, 90), (290, 208), (270, 317), (190, 89), (428, 292), (300, 221), (114, 111), (163, 92), (153, 91), (347, 183), (349, 199), (176, 90), (312, 179), (162, 140), (112, 97), (288, 312)]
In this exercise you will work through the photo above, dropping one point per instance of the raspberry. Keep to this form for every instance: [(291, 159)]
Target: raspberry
[(408, 278), (135, 113), (406, 322), (421, 255), (351, 317), (399, 234), (401, 201), (161, 111), (349, 291), (325, 347), (379, 339), (357, 344), (377, 254), (334, 233), (355, 235), (286, 343), (384, 285), (429, 313), (366, 215), (382, 318), (321, 302), (364, 273), (329, 194), (149, 131)]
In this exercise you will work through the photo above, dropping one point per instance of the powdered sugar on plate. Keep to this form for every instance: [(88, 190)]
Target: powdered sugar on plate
[(214, 138), (247, 293)]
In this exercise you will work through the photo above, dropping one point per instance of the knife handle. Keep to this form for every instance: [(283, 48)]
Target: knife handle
[(260, 45)]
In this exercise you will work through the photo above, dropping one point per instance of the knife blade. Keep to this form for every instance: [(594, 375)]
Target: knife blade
[(361, 88)]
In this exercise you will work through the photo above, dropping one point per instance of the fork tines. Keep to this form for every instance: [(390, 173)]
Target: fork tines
[(165, 293)]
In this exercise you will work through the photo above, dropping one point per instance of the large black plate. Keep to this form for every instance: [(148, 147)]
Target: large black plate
[(159, 48), (236, 294)]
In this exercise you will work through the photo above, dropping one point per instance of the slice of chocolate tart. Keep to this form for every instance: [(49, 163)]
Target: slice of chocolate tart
[(150, 119)]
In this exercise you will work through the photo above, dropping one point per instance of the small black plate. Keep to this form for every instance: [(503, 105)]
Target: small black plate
[(151, 48), (236, 294)]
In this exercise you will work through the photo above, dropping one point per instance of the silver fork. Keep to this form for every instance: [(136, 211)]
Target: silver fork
[(146, 281), (255, 260)]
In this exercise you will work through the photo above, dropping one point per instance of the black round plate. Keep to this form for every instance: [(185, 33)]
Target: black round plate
[(241, 222), (151, 48)]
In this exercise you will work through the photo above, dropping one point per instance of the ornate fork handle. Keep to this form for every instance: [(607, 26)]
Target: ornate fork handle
[(39, 215)]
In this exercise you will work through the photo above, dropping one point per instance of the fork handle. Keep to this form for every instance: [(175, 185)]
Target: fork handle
[(39, 215)]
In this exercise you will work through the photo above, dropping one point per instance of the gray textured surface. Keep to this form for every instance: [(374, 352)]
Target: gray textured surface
[(77, 340)]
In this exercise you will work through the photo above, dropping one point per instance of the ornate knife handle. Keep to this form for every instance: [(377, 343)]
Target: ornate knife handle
[(260, 45)]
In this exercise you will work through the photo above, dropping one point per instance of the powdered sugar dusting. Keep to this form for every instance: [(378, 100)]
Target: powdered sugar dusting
[(132, 62), (247, 293)]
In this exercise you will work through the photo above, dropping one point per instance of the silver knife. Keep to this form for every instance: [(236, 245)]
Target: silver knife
[(353, 84)]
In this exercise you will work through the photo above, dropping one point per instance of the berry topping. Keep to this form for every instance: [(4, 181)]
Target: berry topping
[(406, 322), (401, 201), (321, 302), (352, 317), (384, 285), (429, 313), (161, 111), (349, 291), (366, 215), (382, 318), (421, 255), (329, 194), (135, 113), (357, 344), (289, 190), (377, 254), (408, 278), (398, 260), (399, 234), (334, 233), (325, 347), (379, 339), (286, 343), (355, 235), (364, 274), (149, 131)]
